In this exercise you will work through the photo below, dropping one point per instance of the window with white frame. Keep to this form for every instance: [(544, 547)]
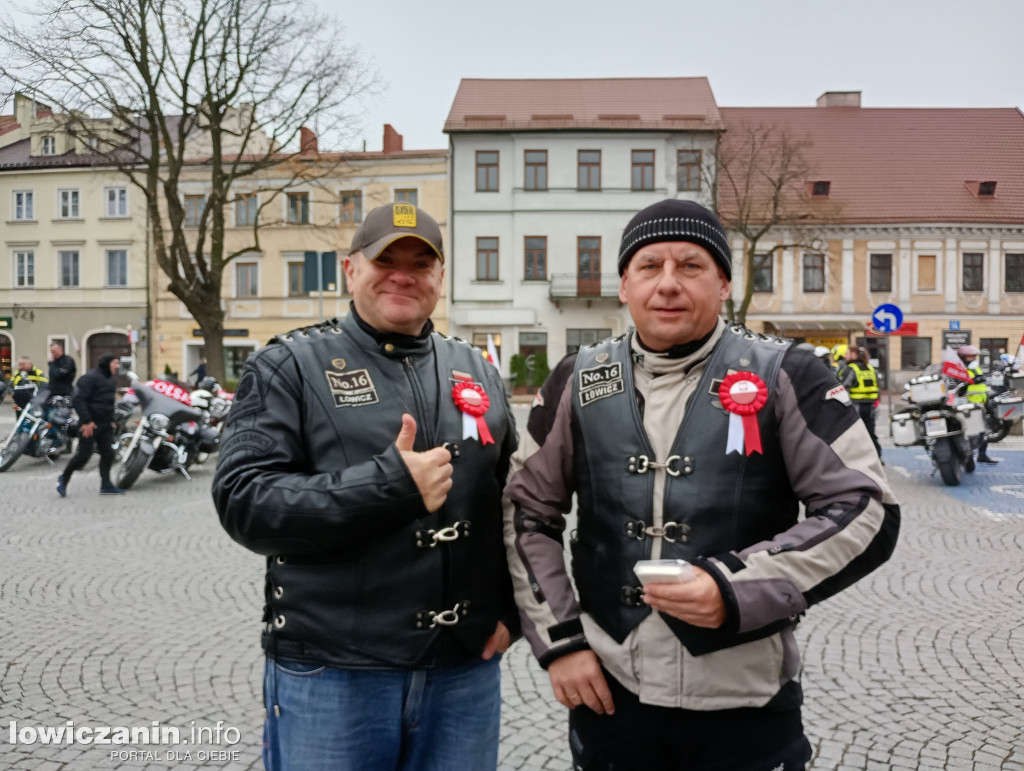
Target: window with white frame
[(763, 273), (117, 267), (296, 270), (298, 208), (973, 271), (881, 273), (407, 195), (814, 272), (246, 209), (69, 267), (24, 269), (247, 279), (351, 205), (24, 205), (67, 207), (194, 205), (116, 202), (49, 145)]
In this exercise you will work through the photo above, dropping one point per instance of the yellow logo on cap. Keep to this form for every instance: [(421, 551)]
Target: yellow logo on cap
[(404, 215)]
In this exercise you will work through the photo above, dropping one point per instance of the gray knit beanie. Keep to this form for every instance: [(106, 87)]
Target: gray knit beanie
[(674, 220)]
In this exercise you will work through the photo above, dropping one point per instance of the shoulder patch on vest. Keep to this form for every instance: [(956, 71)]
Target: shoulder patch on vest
[(600, 382), (248, 397), (839, 393)]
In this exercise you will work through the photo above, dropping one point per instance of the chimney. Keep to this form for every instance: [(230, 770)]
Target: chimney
[(392, 139), (307, 142), (839, 99)]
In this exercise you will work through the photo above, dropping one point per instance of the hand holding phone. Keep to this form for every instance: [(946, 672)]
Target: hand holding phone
[(663, 571)]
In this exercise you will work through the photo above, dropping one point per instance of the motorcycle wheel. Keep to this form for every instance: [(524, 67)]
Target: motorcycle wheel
[(121, 445), (948, 461), (14, 450), (130, 469)]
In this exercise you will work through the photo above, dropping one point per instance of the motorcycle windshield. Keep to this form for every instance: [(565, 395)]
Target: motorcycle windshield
[(155, 402), (40, 399)]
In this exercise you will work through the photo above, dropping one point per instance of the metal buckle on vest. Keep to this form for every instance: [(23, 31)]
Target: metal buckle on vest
[(641, 464), (431, 619), (428, 539), (637, 464), (632, 595), (453, 448), (671, 531)]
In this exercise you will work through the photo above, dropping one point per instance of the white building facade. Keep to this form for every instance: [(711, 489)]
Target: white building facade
[(539, 200)]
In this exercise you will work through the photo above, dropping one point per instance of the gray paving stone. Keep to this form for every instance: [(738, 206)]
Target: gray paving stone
[(123, 611)]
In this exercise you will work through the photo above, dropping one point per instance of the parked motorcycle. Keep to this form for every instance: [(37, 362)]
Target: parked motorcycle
[(1005, 405), (205, 434), (941, 428), (43, 430), (124, 425), (159, 442)]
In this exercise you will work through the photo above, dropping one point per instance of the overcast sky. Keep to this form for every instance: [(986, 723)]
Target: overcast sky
[(899, 53)]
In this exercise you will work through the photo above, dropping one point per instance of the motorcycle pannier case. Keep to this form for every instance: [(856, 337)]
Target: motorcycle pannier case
[(972, 418), (904, 429), (928, 391), (1009, 407)]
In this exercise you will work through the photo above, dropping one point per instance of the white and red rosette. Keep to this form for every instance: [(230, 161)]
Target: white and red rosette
[(743, 394), (471, 398)]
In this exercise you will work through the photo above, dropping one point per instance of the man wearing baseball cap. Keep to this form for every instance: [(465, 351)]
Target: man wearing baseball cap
[(366, 458), (688, 438)]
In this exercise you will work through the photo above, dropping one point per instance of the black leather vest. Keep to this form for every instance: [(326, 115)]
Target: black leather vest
[(719, 502), (374, 605)]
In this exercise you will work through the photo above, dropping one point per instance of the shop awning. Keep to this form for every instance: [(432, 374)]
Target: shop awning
[(841, 325)]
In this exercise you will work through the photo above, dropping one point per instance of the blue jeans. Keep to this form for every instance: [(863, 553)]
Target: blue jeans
[(337, 719)]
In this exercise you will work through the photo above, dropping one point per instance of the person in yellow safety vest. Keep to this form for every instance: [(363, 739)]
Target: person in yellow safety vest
[(977, 392), (26, 382), (861, 382)]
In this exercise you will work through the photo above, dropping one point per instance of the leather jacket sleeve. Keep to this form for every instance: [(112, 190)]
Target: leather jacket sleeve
[(272, 496)]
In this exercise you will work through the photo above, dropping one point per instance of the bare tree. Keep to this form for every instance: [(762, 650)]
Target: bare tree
[(762, 188), (161, 88)]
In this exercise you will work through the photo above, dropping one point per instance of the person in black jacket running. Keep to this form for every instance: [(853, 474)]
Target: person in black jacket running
[(94, 402)]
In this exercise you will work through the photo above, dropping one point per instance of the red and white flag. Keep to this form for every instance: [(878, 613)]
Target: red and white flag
[(953, 367)]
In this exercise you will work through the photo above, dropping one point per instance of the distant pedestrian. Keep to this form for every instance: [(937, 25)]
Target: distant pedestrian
[(199, 372), (861, 381), (62, 371), (94, 402)]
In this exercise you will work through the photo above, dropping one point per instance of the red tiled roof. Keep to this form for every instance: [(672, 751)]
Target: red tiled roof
[(903, 164), (8, 123), (598, 103)]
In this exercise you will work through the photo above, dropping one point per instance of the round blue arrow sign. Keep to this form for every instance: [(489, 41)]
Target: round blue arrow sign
[(887, 318)]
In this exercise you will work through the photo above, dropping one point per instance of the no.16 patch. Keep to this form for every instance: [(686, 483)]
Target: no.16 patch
[(600, 383), (352, 389)]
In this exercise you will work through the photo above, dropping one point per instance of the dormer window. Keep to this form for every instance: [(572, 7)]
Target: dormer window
[(49, 145), (986, 188), (820, 188)]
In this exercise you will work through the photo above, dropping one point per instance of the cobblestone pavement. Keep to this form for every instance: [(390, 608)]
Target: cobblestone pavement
[(122, 611)]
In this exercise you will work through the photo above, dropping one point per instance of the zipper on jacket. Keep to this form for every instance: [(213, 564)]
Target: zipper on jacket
[(422, 423)]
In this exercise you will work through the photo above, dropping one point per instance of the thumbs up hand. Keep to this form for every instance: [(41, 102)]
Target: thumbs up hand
[(430, 470)]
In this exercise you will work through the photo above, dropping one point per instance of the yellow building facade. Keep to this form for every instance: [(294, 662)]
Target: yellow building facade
[(316, 210)]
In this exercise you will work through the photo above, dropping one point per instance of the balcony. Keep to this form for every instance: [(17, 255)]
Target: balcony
[(570, 286)]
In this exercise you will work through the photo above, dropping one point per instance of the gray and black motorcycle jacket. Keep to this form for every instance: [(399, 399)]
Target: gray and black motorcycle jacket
[(733, 513), (359, 574)]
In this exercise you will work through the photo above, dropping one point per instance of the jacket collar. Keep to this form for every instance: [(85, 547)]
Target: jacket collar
[(391, 344)]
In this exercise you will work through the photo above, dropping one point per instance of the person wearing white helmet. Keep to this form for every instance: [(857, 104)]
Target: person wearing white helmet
[(977, 392)]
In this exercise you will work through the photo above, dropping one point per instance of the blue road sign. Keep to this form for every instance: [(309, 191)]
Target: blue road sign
[(954, 325), (887, 318)]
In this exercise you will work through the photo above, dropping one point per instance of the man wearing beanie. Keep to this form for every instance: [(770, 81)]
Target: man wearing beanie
[(692, 439), (94, 399)]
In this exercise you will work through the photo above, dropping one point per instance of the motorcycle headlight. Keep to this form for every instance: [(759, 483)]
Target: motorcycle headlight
[(159, 422), (36, 412)]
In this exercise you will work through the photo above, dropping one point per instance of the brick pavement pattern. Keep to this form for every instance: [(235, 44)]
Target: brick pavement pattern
[(121, 611)]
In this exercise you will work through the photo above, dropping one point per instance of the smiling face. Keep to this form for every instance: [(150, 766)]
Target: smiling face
[(398, 290), (674, 290)]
